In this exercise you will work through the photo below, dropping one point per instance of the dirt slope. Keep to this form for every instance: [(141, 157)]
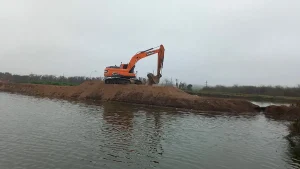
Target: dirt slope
[(283, 112), (151, 95)]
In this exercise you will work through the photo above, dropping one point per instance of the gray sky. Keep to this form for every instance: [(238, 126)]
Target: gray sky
[(228, 42)]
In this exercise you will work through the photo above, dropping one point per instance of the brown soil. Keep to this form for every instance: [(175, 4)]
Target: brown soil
[(283, 112), (140, 94)]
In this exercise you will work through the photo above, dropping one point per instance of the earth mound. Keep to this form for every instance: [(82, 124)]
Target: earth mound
[(283, 112), (140, 94)]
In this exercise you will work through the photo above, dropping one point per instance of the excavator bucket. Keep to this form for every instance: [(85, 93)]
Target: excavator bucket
[(152, 79)]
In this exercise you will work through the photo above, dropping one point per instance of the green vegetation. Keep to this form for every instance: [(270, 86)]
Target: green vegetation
[(256, 90), (262, 93), (45, 79), (294, 128), (254, 97), (294, 135), (255, 93)]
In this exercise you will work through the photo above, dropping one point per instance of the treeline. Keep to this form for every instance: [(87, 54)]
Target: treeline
[(257, 90), (180, 85), (49, 79), (44, 79)]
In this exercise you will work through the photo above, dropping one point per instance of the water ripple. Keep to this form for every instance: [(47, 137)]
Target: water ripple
[(44, 133)]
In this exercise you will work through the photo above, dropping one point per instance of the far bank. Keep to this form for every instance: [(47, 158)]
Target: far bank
[(251, 97)]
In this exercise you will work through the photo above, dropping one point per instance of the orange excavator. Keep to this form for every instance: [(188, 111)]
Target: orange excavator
[(124, 74)]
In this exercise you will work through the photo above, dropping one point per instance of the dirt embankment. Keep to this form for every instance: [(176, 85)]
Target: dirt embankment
[(150, 95), (283, 112)]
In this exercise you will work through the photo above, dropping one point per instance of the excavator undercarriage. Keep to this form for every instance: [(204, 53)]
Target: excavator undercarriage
[(119, 80)]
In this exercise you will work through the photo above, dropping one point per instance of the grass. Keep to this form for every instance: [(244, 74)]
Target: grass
[(253, 97), (294, 127)]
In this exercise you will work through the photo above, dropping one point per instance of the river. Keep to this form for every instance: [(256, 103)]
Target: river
[(45, 133)]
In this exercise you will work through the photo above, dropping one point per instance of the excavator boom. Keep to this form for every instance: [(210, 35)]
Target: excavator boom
[(125, 72)]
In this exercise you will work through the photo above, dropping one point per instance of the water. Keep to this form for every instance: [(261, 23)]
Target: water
[(265, 104), (43, 133)]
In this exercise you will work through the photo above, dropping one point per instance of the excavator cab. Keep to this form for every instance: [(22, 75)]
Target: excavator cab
[(124, 66)]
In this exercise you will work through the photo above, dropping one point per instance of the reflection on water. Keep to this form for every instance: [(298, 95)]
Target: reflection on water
[(134, 137), (43, 133), (119, 116)]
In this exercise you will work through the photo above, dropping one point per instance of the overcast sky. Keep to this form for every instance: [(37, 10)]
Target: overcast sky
[(228, 42)]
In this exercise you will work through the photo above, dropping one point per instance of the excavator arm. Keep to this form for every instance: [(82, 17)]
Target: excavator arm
[(143, 54), (160, 60)]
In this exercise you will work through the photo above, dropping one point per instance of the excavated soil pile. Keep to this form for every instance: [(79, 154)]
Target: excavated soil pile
[(283, 112), (140, 94)]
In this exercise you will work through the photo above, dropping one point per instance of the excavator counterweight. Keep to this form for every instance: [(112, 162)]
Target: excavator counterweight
[(124, 74)]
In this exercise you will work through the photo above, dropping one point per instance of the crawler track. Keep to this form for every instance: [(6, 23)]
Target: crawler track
[(122, 81)]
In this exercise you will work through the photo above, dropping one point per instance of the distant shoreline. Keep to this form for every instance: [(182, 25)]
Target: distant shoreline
[(252, 97), (254, 93)]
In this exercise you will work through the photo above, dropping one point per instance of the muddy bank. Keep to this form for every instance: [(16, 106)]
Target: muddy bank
[(150, 95), (283, 112)]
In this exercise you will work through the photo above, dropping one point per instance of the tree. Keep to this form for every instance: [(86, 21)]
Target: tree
[(168, 82), (189, 87)]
